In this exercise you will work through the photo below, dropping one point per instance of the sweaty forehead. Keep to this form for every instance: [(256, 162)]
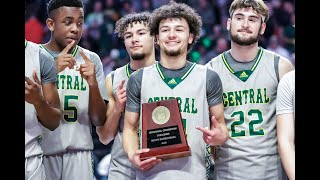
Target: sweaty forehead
[(64, 11)]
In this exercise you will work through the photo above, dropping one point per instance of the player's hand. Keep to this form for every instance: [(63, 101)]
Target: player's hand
[(33, 94), (214, 135), (64, 59), (87, 70), (121, 97), (144, 164)]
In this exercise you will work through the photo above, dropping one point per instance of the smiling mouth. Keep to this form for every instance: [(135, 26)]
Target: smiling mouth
[(172, 42)]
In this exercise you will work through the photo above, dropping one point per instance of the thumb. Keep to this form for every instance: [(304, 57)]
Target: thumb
[(35, 77), (68, 47), (121, 84), (214, 122)]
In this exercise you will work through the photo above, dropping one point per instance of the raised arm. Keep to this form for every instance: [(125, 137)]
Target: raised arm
[(115, 108), (97, 106)]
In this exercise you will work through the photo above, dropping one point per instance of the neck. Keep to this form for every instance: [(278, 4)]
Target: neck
[(173, 62), (244, 53), (52, 45)]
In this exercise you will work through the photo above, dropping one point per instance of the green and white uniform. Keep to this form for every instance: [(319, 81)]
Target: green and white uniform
[(249, 98), (191, 90), (46, 73), (120, 166), (68, 149)]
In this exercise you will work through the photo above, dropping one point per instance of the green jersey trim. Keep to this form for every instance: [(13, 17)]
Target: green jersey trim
[(127, 70), (73, 52), (243, 75), (173, 82), (25, 44)]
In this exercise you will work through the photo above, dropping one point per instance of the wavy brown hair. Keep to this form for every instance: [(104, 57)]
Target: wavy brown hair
[(177, 10)]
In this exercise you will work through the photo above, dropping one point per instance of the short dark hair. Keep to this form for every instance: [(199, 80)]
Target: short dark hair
[(258, 5), (55, 4), (123, 23), (177, 10)]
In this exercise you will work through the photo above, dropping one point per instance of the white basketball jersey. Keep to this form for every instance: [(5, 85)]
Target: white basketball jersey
[(190, 90), (32, 125), (249, 99), (120, 166), (74, 132)]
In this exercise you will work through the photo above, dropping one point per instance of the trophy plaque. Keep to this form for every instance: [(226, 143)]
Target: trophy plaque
[(162, 130)]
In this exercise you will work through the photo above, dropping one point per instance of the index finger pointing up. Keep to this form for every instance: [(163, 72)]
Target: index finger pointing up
[(85, 58), (67, 48)]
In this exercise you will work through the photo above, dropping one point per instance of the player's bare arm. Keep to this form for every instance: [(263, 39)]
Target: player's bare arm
[(284, 66), (97, 106), (285, 135), (218, 132), (47, 104), (64, 59), (115, 107), (130, 143)]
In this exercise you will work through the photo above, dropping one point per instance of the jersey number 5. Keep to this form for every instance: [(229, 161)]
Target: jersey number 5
[(72, 115)]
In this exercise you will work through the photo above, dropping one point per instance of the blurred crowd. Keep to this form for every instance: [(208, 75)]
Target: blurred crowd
[(101, 15)]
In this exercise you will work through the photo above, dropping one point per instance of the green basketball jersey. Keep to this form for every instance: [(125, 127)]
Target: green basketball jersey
[(249, 99)]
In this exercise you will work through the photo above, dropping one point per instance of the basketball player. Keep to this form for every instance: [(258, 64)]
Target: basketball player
[(250, 76), (176, 27), (285, 122), (81, 87), (133, 29), (41, 105)]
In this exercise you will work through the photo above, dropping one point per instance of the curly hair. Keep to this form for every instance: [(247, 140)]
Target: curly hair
[(55, 4), (123, 23), (177, 10), (258, 5)]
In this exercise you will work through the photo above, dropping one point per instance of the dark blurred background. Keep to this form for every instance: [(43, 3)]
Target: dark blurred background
[(98, 35)]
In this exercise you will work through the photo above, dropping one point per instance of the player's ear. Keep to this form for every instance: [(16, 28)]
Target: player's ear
[(228, 24), (263, 28), (50, 24)]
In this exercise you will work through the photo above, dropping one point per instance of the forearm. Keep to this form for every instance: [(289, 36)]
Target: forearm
[(97, 107), (130, 136), (130, 140), (108, 131), (48, 115), (287, 155)]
